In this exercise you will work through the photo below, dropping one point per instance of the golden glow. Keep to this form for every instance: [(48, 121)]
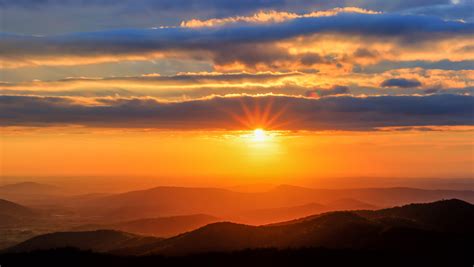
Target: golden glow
[(259, 135), (217, 158)]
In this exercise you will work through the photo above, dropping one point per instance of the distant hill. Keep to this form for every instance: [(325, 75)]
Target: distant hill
[(163, 202), (339, 230), (380, 197), (161, 227), (448, 215), (28, 188), (29, 193), (409, 227), (349, 204), (99, 241), (271, 215), (172, 201), (12, 213), (252, 188)]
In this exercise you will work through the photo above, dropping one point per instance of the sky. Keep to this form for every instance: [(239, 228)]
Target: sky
[(175, 89)]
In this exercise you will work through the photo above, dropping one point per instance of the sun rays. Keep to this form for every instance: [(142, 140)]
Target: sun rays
[(258, 113)]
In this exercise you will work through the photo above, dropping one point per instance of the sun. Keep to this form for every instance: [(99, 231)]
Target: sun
[(259, 134)]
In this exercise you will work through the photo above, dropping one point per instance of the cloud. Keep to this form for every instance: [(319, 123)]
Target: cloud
[(220, 7), (194, 85), (272, 16), (456, 10), (335, 90), (431, 91), (97, 15), (179, 86), (425, 64), (240, 112), (401, 83), (365, 53), (214, 43)]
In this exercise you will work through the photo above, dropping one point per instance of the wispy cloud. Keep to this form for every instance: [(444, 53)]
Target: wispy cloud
[(193, 85), (272, 16)]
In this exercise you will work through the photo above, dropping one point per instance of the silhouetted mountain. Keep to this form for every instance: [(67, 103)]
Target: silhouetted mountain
[(425, 223), (164, 201), (12, 213), (453, 256), (162, 227), (99, 241), (30, 193), (409, 227), (381, 197), (271, 215), (172, 201), (335, 230), (349, 204), (448, 215), (28, 188)]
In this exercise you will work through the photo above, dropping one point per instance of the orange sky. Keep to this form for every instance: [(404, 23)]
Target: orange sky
[(359, 89), (228, 158)]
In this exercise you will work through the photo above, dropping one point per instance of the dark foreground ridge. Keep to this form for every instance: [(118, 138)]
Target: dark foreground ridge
[(72, 257), (432, 234)]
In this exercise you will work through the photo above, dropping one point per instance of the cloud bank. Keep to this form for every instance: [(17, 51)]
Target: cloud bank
[(240, 112), (219, 43), (218, 64), (401, 82)]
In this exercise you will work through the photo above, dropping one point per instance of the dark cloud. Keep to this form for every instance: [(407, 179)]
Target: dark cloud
[(336, 90), (189, 85), (237, 77), (401, 83), (221, 8), (441, 65), (311, 59), (232, 7), (357, 90), (467, 49), (365, 53), (41, 16), (464, 10), (431, 91), (273, 57), (293, 113), (227, 40), (250, 54)]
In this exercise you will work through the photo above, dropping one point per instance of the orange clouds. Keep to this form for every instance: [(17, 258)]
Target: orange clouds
[(335, 40), (337, 53), (272, 16), (188, 86)]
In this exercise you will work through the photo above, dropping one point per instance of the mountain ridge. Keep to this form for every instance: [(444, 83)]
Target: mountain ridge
[(174, 201), (334, 230), (160, 226)]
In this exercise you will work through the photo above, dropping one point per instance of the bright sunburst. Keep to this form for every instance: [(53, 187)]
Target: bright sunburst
[(259, 135)]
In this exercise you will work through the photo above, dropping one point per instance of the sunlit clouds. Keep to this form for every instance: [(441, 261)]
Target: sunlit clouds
[(252, 89), (239, 44), (272, 16), (273, 112)]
